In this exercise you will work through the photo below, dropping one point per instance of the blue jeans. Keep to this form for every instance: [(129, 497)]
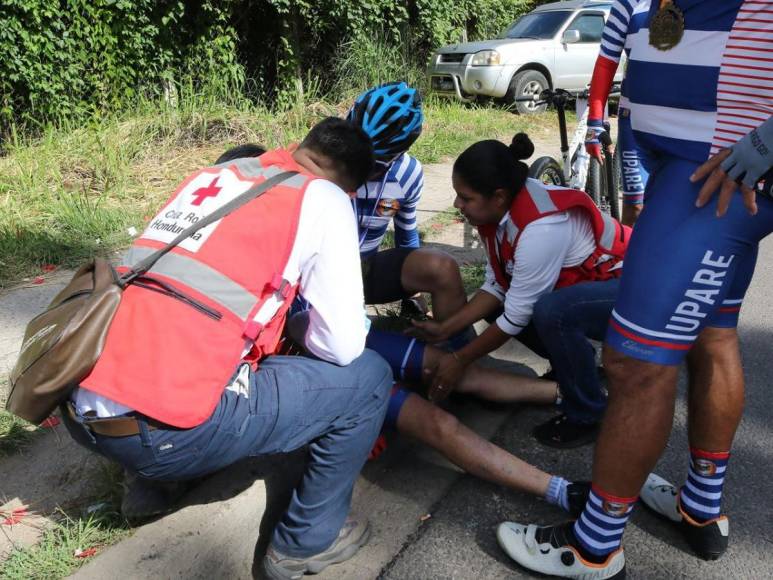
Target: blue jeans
[(564, 321), (289, 402)]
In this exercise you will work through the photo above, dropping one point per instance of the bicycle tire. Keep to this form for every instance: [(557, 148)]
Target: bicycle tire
[(548, 171), (611, 183), (594, 183)]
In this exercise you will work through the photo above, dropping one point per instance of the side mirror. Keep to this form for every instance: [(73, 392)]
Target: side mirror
[(570, 36)]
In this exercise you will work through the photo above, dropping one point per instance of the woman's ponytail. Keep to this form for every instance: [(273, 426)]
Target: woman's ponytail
[(521, 147)]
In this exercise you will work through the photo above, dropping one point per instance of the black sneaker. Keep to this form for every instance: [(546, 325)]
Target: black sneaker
[(707, 539), (577, 493), (146, 499), (550, 375), (561, 433), (414, 308)]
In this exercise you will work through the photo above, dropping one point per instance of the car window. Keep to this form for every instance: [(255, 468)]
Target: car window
[(539, 25), (590, 27)]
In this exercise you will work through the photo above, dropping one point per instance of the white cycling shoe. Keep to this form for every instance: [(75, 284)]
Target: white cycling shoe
[(547, 550), (661, 497)]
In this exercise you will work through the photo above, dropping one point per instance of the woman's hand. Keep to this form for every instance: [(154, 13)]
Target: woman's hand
[(447, 373), (428, 331)]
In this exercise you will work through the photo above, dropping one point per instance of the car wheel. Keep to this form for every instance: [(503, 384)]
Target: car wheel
[(526, 84)]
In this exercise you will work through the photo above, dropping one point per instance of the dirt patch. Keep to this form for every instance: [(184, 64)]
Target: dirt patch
[(52, 473)]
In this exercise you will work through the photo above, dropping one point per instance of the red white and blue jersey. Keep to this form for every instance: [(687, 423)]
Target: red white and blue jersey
[(709, 90), (394, 196), (626, 17)]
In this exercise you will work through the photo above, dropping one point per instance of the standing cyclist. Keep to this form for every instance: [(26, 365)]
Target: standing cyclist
[(698, 86), (625, 19)]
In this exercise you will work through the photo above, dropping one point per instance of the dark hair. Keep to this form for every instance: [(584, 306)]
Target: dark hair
[(345, 144), (240, 151), (490, 165)]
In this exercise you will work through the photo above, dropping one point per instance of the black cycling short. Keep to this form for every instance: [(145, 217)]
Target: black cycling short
[(381, 276)]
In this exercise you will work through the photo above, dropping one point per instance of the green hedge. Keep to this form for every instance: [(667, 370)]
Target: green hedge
[(74, 58)]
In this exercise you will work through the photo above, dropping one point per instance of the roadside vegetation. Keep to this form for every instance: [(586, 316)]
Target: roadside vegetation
[(75, 191)]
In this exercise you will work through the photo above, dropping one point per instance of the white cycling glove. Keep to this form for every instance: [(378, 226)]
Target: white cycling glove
[(752, 156)]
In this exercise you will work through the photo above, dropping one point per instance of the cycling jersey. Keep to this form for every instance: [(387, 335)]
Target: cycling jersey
[(626, 17), (685, 268), (709, 90), (395, 195)]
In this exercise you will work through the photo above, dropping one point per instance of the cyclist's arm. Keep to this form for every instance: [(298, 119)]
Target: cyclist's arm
[(412, 182), (612, 45)]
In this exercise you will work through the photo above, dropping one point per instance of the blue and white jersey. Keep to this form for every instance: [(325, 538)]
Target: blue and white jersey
[(712, 88), (395, 196), (625, 17)]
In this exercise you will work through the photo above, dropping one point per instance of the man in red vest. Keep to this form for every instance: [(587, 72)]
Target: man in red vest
[(189, 381)]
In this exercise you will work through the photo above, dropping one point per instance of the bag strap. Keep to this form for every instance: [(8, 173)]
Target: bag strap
[(143, 266)]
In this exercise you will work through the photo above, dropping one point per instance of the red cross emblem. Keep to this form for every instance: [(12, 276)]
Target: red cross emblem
[(203, 193)]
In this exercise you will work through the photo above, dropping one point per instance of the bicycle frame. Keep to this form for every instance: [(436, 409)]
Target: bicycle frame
[(578, 171)]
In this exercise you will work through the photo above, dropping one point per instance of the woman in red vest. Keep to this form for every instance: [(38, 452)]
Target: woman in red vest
[(551, 280)]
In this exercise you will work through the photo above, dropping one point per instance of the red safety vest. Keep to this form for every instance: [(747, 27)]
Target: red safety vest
[(175, 342), (536, 201)]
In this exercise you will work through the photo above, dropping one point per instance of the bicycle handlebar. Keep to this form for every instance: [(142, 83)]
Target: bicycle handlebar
[(559, 96)]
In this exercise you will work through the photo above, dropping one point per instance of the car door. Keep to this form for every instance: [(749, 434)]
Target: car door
[(574, 61)]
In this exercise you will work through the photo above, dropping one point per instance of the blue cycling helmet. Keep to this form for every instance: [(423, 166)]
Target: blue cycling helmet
[(391, 116)]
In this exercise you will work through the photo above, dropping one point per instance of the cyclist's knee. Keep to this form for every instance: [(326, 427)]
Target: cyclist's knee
[(435, 269)]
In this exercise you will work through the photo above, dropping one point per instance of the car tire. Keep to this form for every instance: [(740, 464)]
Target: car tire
[(523, 84), (548, 171)]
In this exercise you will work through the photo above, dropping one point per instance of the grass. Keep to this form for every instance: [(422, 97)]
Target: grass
[(473, 276), (75, 191), (68, 544), (15, 433), (57, 553)]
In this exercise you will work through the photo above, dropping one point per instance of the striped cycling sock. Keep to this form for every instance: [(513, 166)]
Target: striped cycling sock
[(599, 529), (557, 492), (701, 495)]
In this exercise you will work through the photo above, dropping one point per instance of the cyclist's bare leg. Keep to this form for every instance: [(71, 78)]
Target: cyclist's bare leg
[(716, 394), (436, 272), (640, 409), (459, 444), (496, 385)]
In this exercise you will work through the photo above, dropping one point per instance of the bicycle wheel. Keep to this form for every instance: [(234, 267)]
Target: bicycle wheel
[(548, 171), (612, 183), (594, 183)]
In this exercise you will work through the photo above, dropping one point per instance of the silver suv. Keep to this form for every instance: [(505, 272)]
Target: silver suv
[(554, 46)]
